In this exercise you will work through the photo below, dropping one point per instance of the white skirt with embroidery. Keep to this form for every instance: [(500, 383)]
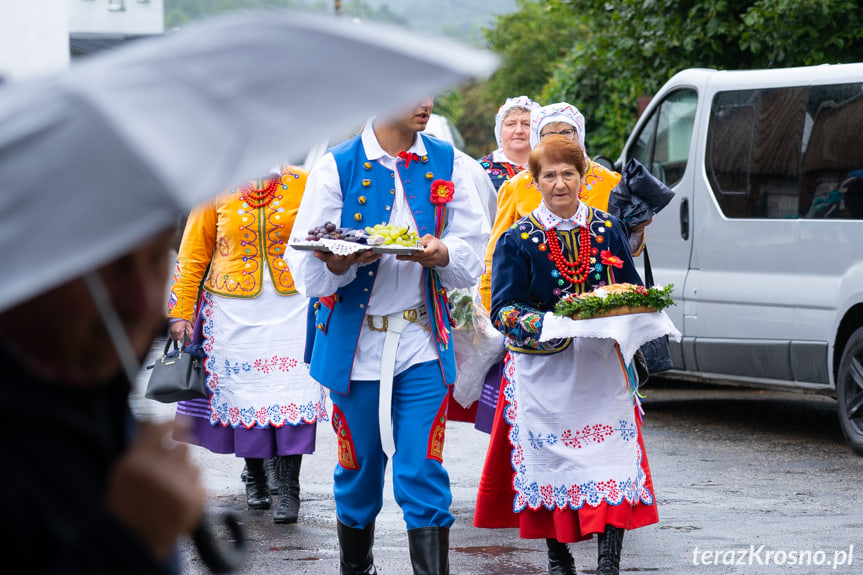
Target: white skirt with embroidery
[(574, 434), (255, 360)]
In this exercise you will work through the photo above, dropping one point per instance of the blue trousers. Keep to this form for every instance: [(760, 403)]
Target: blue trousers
[(420, 482)]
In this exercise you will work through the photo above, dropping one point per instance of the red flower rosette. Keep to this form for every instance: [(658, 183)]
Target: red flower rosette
[(441, 194), (611, 260), (442, 191)]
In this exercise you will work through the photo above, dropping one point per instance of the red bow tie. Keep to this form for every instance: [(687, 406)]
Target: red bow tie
[(408, 157)]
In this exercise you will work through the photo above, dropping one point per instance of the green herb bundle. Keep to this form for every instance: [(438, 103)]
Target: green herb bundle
[(595, 305)]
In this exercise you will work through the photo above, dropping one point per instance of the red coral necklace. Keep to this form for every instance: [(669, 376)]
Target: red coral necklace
[(260, 198), (574, 272), (510, 172)]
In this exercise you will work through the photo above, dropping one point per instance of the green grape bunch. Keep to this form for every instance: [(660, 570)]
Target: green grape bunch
[(392, 234)]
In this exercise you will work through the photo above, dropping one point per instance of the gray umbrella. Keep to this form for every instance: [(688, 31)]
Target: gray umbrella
[(96, 160), (99, 158)]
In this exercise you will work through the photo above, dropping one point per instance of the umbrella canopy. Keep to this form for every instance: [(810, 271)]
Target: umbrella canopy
[(97, 159)]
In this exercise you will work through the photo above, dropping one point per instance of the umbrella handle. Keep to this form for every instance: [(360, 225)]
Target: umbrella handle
[(217, 558)]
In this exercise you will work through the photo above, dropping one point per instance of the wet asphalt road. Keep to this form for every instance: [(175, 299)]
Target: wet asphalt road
[(746, 481)]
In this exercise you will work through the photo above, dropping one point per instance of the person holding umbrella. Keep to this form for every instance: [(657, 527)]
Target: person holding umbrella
[(381, 338), (263, 403), (89, 490)]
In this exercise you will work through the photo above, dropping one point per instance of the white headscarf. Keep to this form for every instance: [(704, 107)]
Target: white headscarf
[(522, 102), (560, 112)]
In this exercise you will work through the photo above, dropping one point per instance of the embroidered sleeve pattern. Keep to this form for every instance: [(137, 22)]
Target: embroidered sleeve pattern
[(520, 323)]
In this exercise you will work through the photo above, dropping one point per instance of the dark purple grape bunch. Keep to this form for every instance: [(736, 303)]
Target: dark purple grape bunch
[(317, 233)]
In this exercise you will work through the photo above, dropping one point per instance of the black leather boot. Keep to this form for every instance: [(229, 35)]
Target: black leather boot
[(257, 496), (560, 561), (355, 549), (609, 545), (272, 475), (429, 547), (288, 471)]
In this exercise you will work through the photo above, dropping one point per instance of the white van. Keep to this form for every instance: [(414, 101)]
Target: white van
[(763, 240)]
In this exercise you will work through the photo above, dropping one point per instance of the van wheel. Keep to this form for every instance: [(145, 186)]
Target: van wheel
[(849, 391)]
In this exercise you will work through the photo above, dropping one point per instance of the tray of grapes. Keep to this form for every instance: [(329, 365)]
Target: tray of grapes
[(381, 238)]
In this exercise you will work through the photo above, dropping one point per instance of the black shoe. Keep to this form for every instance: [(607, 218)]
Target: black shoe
[(257, 496), (288, 470), (560, 561), (272, 475), (355, 550), (429, 547), (609, 544)]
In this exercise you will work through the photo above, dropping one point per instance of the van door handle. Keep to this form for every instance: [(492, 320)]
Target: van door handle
[(684, 218)]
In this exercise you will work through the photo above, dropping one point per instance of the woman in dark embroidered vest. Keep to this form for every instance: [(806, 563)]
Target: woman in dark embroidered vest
[(566, 458)]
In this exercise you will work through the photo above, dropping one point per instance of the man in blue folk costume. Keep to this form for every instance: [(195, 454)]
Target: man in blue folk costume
[(381, 329)]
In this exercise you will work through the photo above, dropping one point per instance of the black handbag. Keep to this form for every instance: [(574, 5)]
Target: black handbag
[(656, 356), (178, 375)]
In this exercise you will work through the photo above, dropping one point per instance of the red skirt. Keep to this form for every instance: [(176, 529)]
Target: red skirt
[(494, 505)]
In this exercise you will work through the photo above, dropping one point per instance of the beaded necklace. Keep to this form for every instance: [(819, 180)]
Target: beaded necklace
[(510, 173), (260, 198), (574, 272)]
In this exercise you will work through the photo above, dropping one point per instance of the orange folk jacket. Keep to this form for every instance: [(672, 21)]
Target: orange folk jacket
[(234, 241)]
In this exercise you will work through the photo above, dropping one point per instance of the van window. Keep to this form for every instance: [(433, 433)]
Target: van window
[(663, 144), (784, 153), (832, 178), (754, 151)]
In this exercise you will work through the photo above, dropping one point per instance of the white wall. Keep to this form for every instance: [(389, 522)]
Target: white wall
[(116, 17), (34, 37)]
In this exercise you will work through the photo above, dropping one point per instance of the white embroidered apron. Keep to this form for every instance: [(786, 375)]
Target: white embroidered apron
[(574, 434)]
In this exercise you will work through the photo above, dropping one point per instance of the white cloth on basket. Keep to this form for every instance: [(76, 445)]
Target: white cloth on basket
[(630, 331)]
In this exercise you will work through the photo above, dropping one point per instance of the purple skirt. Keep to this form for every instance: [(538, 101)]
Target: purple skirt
[(256, 442), (488, 398)]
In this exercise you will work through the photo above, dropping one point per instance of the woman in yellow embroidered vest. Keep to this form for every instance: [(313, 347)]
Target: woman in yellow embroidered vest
[(251, 322)]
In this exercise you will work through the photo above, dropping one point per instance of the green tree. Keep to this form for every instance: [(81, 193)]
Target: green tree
[(604, 56), (530, 42), (637, 45)]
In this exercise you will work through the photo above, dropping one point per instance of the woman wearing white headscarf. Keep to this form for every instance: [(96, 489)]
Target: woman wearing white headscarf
[(512, 132)]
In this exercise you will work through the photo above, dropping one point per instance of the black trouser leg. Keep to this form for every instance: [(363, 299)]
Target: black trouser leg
[(560, 561), (288, 471), (257, 494), (609, 544), (429, 548), (355, 549)]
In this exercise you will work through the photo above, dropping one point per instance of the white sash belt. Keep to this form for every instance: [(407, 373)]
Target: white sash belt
[(394, 324)]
